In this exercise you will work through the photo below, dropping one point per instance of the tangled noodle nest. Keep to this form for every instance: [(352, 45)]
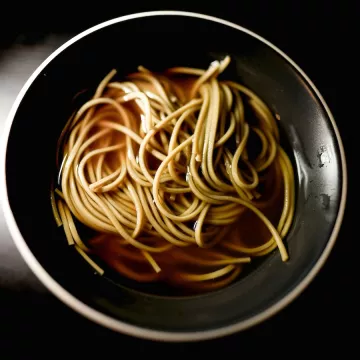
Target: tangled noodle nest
[(160, 167)]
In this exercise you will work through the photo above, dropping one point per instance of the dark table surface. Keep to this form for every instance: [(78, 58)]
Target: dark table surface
[(319, 39)]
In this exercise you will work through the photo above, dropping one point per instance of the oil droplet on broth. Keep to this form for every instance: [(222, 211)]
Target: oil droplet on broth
[(228, 166)]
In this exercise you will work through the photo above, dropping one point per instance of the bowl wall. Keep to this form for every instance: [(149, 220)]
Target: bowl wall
[(157, 42)]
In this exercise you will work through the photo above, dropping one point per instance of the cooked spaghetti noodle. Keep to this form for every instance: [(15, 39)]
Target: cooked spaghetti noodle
[(162, 167)]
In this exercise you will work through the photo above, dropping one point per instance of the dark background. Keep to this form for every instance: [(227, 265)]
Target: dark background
[(322, 38)]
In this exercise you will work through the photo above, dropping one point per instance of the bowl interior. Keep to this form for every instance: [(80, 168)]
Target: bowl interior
[(158, 42)]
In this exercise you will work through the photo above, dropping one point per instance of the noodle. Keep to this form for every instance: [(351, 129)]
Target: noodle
[(162, 167)]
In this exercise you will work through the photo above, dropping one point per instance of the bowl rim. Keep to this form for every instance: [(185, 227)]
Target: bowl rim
[(121, 326)]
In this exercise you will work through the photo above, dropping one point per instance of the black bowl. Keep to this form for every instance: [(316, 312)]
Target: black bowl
[(158, 40)]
